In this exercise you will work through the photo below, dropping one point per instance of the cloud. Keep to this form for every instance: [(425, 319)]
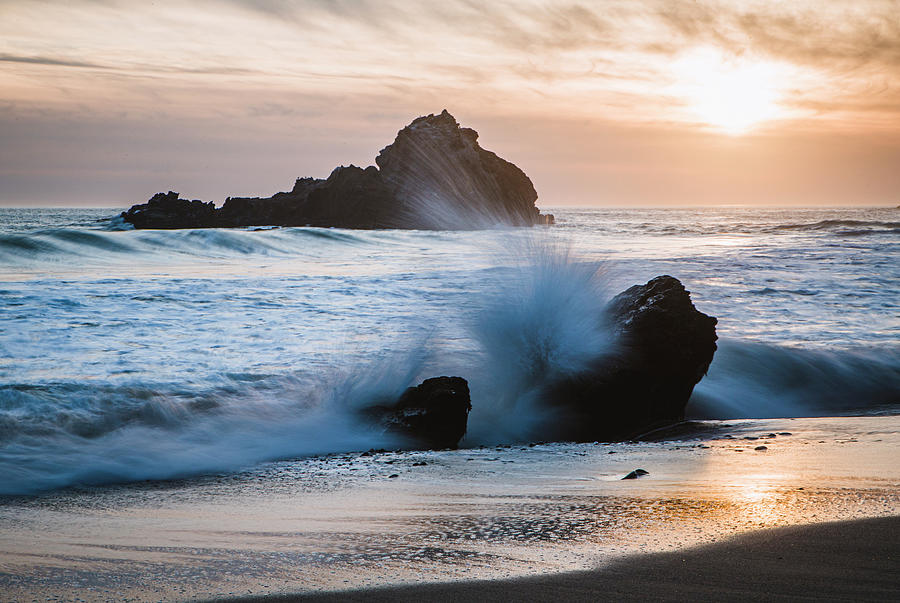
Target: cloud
[(133, 67), (842, 41), (232, 70), (821, 35), (37, 60)]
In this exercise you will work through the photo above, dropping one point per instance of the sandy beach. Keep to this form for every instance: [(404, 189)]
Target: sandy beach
[(480, 523), (843, 561)]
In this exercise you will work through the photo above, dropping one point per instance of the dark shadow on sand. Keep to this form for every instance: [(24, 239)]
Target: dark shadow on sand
[(847, 561)]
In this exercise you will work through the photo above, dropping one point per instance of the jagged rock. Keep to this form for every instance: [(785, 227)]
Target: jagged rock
[(352, 197), (636, 474), (434, 176), (444, 179), (166, 210), (433, 414), (663, 347)]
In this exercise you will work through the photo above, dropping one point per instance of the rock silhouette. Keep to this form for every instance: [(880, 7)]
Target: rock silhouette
[(663, 347), (434, 414), (434, 176)]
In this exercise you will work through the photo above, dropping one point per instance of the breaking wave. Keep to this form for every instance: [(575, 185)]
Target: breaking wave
[(758, 380), (64, 434), (855, 225), (108, 246), (525, 325), (271, 365)]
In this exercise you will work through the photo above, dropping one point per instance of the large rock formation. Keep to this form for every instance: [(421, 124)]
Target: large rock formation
[(433, 414), (443, 179), (663, 347), (434, 176)]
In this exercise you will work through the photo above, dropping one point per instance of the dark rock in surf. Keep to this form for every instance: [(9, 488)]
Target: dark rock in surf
[(433, 176), (636, 474), (431, 415), (663, 347)]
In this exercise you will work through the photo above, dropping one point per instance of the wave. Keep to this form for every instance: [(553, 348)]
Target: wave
[(64, 434), (835, 227), (773, 291), (533, 323), (842, 227), (114, 241), (61, 245), (827, 224), (735, 221), (522, 327), (758, 380)]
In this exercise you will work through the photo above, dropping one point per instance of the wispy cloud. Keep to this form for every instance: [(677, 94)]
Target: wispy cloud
[(291, 67), (454, 44), (55, 62), (824, 35)]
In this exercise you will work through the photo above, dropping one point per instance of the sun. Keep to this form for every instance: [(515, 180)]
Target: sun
[(733, 94)]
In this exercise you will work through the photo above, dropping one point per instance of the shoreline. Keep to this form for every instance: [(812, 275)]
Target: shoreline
[(849, 560), (504, 515)]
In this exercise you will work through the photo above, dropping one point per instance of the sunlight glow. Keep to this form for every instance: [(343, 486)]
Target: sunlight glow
[(734, 94)]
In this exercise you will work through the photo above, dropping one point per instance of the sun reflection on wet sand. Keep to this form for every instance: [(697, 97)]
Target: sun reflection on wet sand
[(760, 501)]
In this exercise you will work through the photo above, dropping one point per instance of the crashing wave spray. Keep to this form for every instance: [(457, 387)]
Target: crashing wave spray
[(539, 321), (64, 434)]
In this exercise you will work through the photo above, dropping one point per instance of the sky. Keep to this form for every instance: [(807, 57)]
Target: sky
[(637, 103)]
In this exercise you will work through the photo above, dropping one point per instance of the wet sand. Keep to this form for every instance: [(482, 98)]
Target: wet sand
[(506, 516), (843, 561)]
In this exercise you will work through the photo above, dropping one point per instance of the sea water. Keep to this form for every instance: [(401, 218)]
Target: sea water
[(130, 355)]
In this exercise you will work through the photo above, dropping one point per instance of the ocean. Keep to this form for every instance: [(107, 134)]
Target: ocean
[(153, 355)]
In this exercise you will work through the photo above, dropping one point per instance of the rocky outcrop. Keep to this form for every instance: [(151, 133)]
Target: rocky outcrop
[(166, 210), (441, 177), (433, 414), (434, 176), (663, 347), (350, 197)]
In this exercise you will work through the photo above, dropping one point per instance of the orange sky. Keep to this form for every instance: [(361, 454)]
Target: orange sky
[(106, 102)]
